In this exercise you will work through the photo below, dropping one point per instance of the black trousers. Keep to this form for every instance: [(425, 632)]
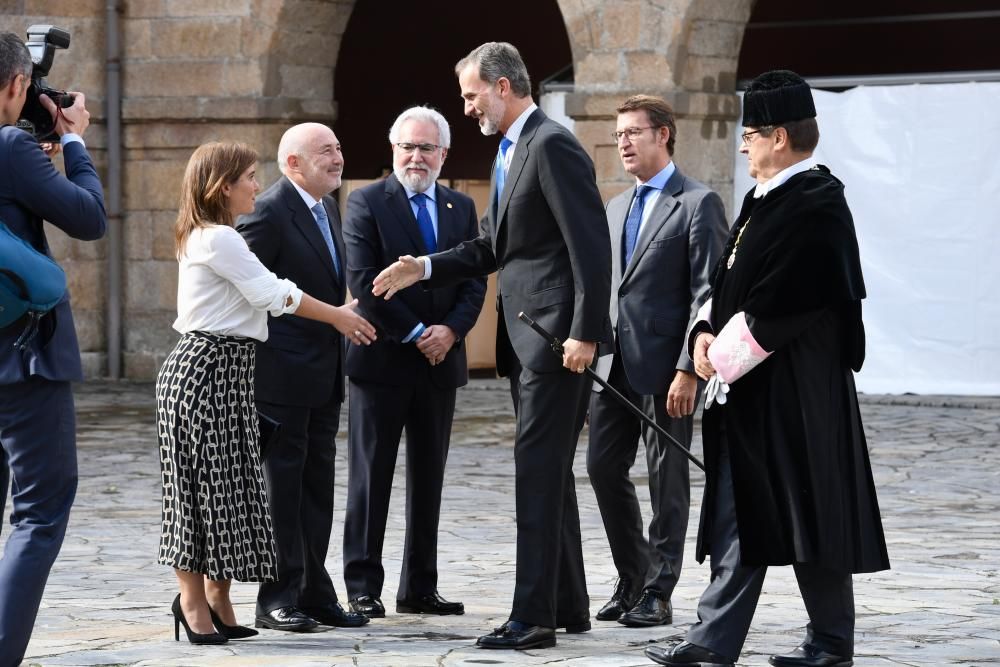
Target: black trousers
[(614, 441), (298, 471), (550, 588), (726, 608), (378, 416)]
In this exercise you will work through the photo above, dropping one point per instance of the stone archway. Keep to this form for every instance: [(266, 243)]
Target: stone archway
[(683, 50)]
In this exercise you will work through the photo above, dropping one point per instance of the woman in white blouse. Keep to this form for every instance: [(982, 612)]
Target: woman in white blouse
[(216, 526)]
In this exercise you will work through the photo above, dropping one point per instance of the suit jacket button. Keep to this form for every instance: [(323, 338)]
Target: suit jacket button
[(500, 267)]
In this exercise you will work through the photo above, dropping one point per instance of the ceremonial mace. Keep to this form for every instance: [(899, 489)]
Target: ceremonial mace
[(557, 348)]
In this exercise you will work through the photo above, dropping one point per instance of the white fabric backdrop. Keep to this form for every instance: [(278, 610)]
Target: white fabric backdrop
[(921, 169)]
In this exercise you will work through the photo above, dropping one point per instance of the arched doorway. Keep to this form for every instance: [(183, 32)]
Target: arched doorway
[(391, 60)]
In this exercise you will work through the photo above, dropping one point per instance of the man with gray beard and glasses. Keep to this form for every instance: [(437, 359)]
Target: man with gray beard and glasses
[(408, 378)]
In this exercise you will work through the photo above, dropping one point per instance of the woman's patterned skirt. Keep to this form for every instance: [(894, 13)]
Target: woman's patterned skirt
[(215, 514)]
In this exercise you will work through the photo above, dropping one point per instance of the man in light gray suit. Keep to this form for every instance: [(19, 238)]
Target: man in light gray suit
[(666, 236)]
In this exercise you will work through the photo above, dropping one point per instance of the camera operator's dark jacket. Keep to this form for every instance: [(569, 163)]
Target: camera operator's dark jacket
[(31, 190)]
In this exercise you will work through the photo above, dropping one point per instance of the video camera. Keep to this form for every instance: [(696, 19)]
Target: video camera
[(43, 40)]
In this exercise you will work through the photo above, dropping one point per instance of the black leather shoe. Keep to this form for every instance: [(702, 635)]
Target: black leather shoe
[(576, 628), (621, 601), (519, 636), (289, 619), (685, 654), (431, 603), (369, 605), (335, 615), (807, 655), (650, 610)]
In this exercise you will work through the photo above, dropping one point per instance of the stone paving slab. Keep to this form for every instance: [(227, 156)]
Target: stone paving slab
[(937, 468)]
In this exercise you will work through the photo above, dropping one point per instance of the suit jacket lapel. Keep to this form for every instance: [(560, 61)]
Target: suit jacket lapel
[(333, 213), (304, 221), (397, 202), (447, 222), (617, 212), (663, 209), (521, 150)]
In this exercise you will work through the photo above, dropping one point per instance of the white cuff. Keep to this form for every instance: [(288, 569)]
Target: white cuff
[(69, 137)]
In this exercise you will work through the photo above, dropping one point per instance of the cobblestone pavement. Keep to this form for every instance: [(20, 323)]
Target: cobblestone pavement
[(937, 468)]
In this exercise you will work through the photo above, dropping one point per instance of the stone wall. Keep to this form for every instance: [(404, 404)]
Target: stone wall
[(685, 51), (200, 70), (79, 68)]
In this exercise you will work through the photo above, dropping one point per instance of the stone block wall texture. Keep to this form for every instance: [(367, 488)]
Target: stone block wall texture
[(685, 51), (78, 68), (203, 70)]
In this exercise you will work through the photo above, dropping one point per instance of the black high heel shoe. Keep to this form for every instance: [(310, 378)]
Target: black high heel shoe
[(230, 631), (193, 637)]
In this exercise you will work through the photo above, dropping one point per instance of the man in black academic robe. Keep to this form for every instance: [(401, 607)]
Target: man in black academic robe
[(788, 475)]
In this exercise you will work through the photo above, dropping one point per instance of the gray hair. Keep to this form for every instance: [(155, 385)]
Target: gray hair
[(14, 58), (426, 115), (496, 60)]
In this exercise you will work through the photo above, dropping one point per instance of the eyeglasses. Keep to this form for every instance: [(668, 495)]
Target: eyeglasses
[(425, 149), (764, 131), (632, 133)]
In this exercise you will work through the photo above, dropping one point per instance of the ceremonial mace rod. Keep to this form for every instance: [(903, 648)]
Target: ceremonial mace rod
[(557, 348)]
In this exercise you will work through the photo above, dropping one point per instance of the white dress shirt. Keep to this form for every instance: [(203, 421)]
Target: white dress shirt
[(656, 185), (432, 211), (513, 133), (223, 288), (782, 176)]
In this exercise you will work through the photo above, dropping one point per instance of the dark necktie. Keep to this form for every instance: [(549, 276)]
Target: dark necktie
[(501, 170), (424, 222), (632, 223), (323, 223)]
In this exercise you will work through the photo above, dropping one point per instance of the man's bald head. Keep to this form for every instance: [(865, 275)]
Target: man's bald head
[(309, 154)]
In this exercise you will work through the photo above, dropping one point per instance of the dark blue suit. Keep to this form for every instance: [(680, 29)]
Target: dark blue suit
[(395, 389), (300, 383), (37, 422)]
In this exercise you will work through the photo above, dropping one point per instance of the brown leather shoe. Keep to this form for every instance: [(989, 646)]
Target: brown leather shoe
[(651, 609)]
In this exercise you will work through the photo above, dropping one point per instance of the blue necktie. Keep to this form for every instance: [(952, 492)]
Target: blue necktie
[(323, 223), (501, 170), (424, 222), (632, 223)]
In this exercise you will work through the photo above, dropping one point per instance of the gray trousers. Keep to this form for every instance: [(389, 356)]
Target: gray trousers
[(614, 441), (728, 604)]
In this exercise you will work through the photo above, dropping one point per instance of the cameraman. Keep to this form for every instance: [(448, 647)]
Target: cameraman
[(37, 422)]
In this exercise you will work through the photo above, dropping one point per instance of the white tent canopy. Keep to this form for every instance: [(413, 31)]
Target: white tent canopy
[(921, 166)]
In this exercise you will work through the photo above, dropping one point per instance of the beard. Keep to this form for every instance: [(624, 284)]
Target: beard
[(416, 181), (490, 120)]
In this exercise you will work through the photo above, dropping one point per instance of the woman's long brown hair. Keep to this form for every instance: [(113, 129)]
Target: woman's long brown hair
[(203, 203)]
